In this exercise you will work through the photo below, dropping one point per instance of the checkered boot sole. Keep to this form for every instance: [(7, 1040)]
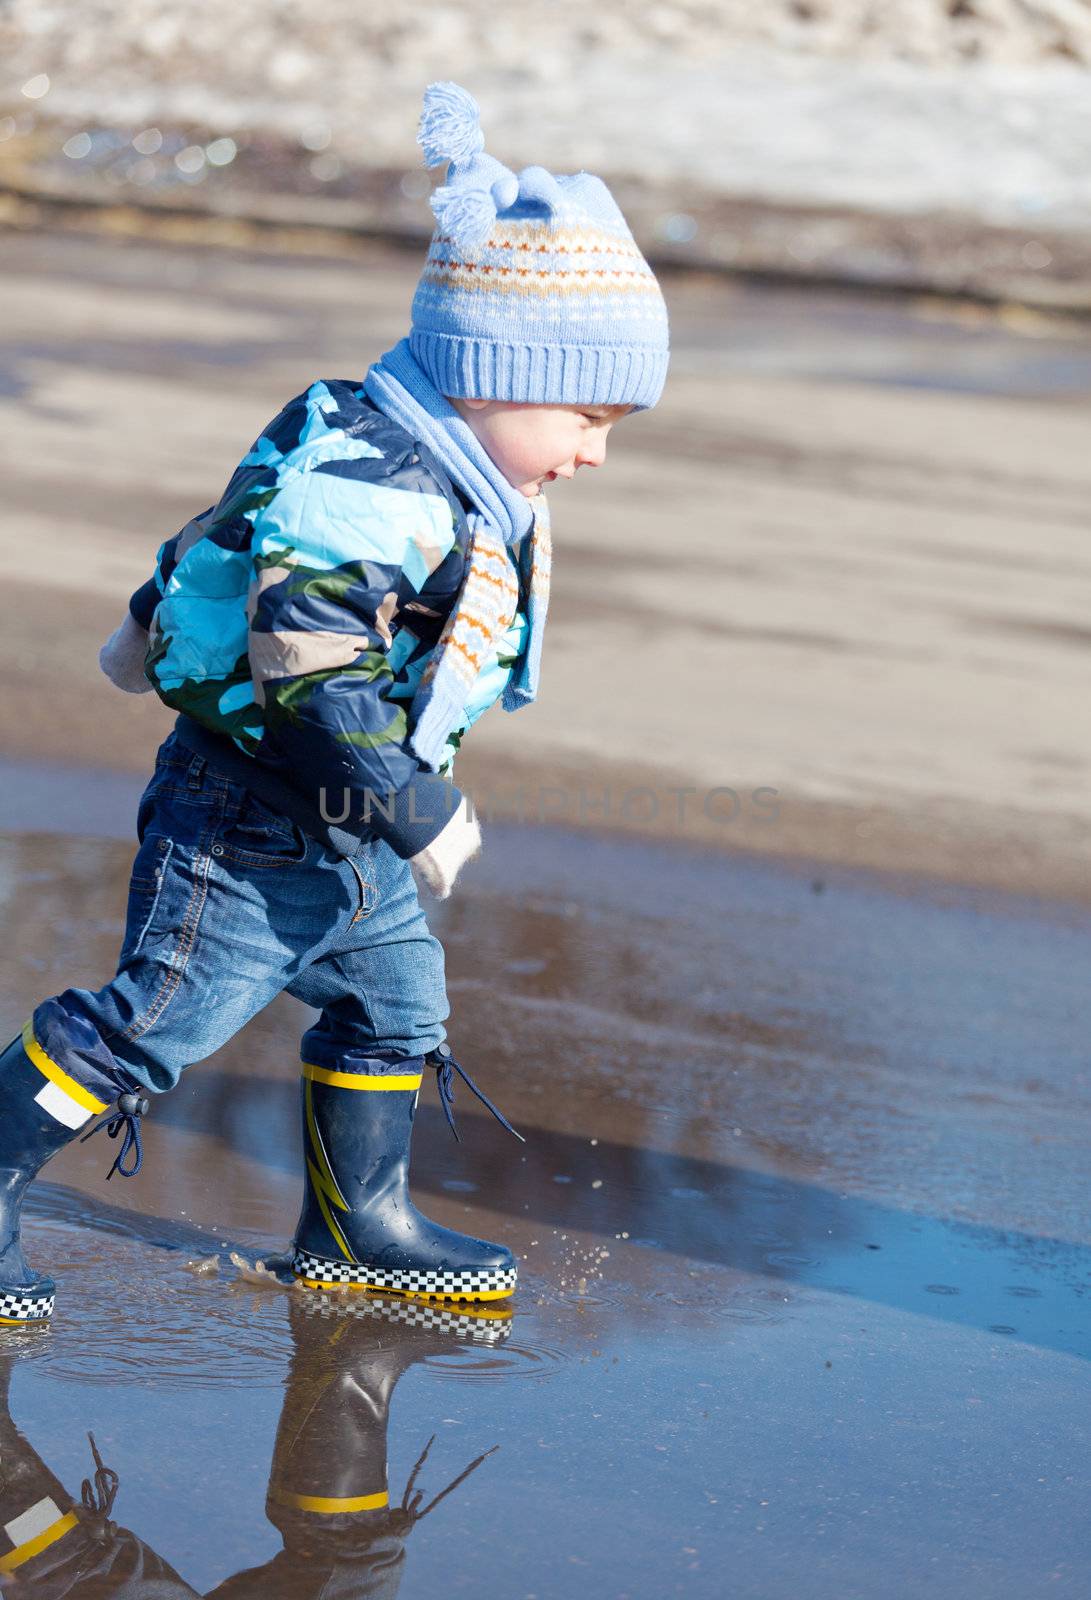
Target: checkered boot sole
[(490, 1283), (17, 1307), (488, 1326)]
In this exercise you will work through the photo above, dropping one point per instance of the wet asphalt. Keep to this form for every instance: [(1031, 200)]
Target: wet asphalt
[(801, 1219)]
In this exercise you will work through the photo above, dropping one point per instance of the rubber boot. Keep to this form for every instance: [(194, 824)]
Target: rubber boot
[(328, 1491), (358, 1228), (53, 1547), (43, 1107)]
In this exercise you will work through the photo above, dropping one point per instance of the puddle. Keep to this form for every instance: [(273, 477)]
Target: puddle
[(801, 1222)]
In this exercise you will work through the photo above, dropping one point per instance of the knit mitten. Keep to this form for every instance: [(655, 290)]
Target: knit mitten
[(438, 864), (122, 657)]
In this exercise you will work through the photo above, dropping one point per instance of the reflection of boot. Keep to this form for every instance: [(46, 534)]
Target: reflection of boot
[(328, 1493), (54, 1548), (359, 1229), (51, 1084), (36, 1513), (489, 1324)]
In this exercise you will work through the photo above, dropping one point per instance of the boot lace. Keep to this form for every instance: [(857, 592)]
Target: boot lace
[(124, 1120), (98, 1494), (446, 1066), (405, 1516)]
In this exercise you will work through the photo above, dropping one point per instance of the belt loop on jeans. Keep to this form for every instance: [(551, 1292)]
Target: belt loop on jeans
[(196, 769)]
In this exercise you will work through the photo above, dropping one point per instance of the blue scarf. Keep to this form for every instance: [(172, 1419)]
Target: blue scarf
[(401, 388), (403, 391)]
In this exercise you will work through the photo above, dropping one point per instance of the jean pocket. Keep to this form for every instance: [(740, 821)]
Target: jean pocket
[(257, 836)]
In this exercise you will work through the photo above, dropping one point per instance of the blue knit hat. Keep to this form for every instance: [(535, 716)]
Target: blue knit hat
[(534, 288)]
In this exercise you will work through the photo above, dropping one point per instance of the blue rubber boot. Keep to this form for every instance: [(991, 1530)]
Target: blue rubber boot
[(359, 1229), (44, 1105)]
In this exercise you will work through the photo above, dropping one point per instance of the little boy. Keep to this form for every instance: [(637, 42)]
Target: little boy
[(374, 577)]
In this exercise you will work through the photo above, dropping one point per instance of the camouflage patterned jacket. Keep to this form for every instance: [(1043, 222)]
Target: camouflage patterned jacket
[(293, 619)]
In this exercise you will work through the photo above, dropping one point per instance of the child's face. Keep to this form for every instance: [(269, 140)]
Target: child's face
[(533, 444)]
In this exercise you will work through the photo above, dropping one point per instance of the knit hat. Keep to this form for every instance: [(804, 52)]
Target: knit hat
[(534, 289)]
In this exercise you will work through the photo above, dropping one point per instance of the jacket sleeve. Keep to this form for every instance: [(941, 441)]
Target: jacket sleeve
[(143, 603), (337, 552)]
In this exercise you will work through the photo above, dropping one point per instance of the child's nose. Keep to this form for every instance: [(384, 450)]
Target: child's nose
[(592, 454)]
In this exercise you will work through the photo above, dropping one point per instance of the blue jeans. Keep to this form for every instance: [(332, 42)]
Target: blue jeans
[(229, 903)]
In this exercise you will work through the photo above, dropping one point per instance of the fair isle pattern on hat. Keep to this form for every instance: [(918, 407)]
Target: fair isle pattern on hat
[(534, 289)]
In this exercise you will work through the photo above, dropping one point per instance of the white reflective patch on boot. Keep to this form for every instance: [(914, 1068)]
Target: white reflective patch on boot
[(33, 1522), (61, 1107)]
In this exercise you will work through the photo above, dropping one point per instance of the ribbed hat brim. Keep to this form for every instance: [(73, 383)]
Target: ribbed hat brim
[(569, 374)]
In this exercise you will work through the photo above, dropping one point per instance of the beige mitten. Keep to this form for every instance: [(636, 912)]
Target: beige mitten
[(122, 657), (438, 864)]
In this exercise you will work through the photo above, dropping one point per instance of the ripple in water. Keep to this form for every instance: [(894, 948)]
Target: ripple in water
[(120, 1307), (511, 1360), (790, 1258)]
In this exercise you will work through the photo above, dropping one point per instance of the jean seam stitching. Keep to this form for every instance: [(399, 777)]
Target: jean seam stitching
[(186, 938), (160, 879), (366, 887)]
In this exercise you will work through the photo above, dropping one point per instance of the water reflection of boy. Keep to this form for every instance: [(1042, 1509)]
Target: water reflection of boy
[(328, 1490)]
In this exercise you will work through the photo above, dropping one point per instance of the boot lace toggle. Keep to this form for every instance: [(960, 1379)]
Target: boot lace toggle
[(446, 1066), (124, 1121)]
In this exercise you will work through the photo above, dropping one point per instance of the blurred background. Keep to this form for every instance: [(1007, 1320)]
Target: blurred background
[(969, 113), (864, 490)]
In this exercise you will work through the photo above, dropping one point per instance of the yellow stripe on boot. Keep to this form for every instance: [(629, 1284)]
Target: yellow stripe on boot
[(327, 1506), (44, 1525), (363, 1080), (66, 1101)]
